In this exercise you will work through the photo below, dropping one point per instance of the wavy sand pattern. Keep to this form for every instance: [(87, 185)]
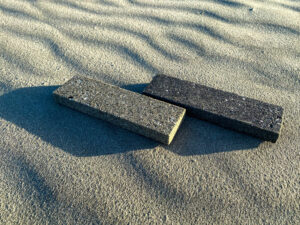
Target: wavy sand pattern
[(58, 166)]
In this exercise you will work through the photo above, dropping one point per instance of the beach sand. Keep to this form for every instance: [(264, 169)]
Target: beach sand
[(58, 166)]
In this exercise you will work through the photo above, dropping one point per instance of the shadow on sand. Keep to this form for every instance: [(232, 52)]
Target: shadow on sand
[(34, 110)]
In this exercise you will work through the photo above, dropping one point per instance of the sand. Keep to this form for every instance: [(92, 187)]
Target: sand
[(58, 166)]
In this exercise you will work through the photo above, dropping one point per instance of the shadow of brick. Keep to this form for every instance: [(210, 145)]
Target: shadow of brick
[(34, 110)]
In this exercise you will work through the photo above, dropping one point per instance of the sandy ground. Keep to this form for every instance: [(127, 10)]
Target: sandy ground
[(58, 166)]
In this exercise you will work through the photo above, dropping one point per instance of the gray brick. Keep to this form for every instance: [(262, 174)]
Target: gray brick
[(226, 109), (138, 113)]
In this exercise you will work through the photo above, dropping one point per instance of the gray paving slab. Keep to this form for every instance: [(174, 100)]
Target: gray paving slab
[(226, 109), (136, 112)]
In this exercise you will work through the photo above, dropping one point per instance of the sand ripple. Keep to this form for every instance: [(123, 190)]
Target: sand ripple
[(61, 167)]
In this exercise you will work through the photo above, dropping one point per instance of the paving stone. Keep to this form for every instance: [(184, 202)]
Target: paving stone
[(138, 113), (226, 109)]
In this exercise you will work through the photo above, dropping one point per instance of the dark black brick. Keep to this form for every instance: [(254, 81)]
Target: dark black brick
[(226, 109)]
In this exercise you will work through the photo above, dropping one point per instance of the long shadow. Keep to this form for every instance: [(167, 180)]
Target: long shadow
[(34, 110)]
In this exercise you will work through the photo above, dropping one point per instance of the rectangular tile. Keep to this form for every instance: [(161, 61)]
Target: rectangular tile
[(226, 109), (138, 113)]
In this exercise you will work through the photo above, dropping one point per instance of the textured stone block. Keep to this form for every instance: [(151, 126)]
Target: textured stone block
[(226, 109), (138, 113)]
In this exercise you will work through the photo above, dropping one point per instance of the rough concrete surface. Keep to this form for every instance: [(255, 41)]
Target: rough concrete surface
[(226, 109), (141, 114)]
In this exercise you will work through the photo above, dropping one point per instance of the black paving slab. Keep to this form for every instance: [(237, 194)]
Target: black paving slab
[(226, 109)]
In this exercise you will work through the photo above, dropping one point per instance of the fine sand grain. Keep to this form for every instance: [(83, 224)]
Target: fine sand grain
[(58, 166)]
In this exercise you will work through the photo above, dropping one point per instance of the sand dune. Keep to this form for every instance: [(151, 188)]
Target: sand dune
[(58, 166)]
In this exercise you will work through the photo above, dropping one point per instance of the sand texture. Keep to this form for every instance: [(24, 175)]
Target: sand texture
[(58, 166)]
